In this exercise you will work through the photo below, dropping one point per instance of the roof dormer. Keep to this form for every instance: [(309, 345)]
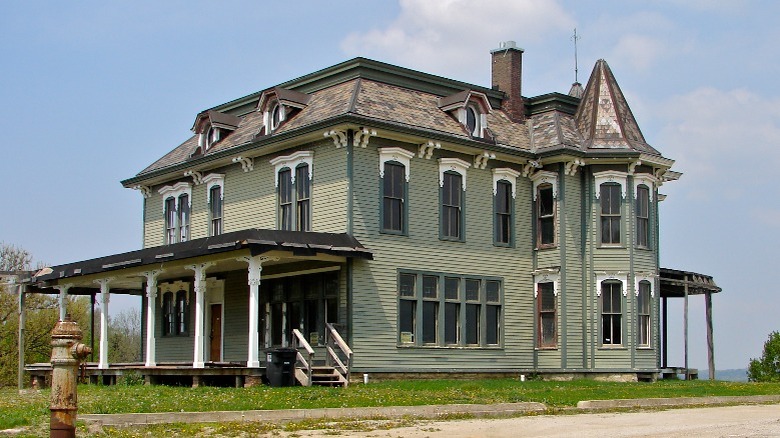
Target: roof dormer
[(212, 126), (470, 108), (277, 105)]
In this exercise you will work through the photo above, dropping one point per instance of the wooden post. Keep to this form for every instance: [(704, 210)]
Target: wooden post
[(665, 351), (710, 341), (92, 326), (685, 328), (22, 322)]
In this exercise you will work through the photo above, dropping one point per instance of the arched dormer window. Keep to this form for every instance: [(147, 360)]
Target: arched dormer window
[(212, 127), (470, 108), (279, 105)]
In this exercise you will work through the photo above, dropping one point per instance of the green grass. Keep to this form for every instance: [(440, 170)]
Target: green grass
[(31, 409)]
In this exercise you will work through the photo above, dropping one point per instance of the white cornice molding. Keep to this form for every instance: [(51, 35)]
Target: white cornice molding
[(426, 149), (339, 137), (400, 155), (610, 176), (551, 275), (646, 179), (506, 174), (545, 177), (214, 179), (247, 164), (363, 135), (640, 277), (292, 161), (607, 276), (453, 165)]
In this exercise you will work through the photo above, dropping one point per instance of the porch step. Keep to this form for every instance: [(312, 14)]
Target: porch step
[(327, 376)]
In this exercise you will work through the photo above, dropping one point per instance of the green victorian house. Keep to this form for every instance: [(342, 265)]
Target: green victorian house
[(390, 222)]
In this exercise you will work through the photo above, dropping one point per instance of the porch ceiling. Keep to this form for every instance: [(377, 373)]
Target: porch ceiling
[(673, 283)]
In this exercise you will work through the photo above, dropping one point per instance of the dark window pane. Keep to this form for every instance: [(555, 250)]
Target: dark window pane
[(616, 296), (406, 285), (302, 182), (547, 230), (546, 292), (430, 319), (615, 229), (471, 119), (547, 327), (430, 286), (472, 324), (503, 196), (393, 193), (451, 288), (606, 329), (545, 201), (614, 199), (451, 324), (493, 316), (407, 311), (472, 290), (492, 291)]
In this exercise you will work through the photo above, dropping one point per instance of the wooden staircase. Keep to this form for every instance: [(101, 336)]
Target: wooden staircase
[(338, 360), (327, 376)]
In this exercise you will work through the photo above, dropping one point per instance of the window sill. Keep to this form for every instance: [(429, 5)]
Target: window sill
[(546, 348), (644, 248), (645, 348), (452, 239), (394, 232), (546, 247), (449, 347), (610, 246), (611, 348), (503, 245)]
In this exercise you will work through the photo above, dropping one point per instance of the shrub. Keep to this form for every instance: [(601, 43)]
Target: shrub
[(767, 368)]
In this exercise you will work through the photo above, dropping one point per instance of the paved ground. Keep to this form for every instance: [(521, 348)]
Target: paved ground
[(731, 421)]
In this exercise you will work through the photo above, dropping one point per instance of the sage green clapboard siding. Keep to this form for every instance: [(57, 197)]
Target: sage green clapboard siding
[(375, 297), (235, 333), (249, 197), (549, 359), (178, 348), (329, 188), (154, 221), (572, 282), (549, 257)]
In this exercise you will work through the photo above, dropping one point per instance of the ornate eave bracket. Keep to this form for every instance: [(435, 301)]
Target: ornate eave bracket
[(480, 161), (530, 167), (570, 168), (339, 137), (632, 166), (146, 191), (197, 177), (426, 149), (363, 135), (247, 163)]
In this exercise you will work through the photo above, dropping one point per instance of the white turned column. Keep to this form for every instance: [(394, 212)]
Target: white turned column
[(151, 301), (255, 270), (200, 312), (63, 299), (105, 297)]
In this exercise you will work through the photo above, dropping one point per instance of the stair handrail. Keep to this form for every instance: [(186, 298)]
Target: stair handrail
[(299, 341), (332, 337)]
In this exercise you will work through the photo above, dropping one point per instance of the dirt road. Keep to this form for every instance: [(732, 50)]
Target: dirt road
[(732, 421)]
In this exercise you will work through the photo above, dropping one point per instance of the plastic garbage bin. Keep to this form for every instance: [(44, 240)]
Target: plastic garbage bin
[(280, 366)]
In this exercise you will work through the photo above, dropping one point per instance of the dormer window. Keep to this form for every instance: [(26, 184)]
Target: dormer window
[(278, 105), (470, 108), (277, 116), (212, 136), (212, 127), (472, 121)]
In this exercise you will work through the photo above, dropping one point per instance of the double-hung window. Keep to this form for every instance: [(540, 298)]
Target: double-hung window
[(643, 314), (546, 320), (545, 210), (503, 213), (302, 198), (184, 217), (610, 213), (215, 210), (449, 310), (643, 216), (176, 208), (285, 199), (175, 315), (293, 180), (170, 220), (611, 313), (452, 207), (393, 198)]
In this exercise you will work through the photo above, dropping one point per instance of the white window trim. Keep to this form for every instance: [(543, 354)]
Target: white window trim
[(173, 287), (174, 191), (545, 177), (644, 179), (481, 119), (610, 176), (454, 165), (650, 278), (400, 155), (268, 116), (292, 161), (211, 180), (622, 278), (506, 174), (547, 276)]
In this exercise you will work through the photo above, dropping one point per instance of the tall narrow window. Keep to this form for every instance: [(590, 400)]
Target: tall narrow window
[(407, 311), (492, 312), (216, 210), (285, 200), (181, 312), (473, 311), (548, 335), (430, 295), (184, 218), (169, 314), (503, 211), (394, 189), (545, 216), (451, 310), (303, 198), (643, 314), (170, 221), (611, 314), (610, 213), (642, 216), (452, 206)]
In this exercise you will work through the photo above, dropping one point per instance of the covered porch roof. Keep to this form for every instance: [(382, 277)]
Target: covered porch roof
[(674, 281)]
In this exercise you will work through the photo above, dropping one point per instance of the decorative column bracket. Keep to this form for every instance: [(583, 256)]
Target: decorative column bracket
[(570, 168), (197, 177), (145, 190), (339, 137), (246, 163), (200, 311), (151, 294), (363, 135), (480, 161), (530, 167), (632, 166), (63, 288), (254, 273), (426, 149)]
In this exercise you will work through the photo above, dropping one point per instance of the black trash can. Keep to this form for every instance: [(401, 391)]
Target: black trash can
[(280, 366)]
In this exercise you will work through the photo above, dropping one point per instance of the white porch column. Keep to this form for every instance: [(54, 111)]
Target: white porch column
[(105, 297), (255, 271), (200, 311), (151, 307), (63, 299)]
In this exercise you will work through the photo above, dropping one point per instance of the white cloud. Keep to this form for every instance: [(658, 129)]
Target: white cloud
[(638, 51), (442, 36)]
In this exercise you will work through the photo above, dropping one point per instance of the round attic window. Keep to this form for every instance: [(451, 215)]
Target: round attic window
[(212, 136), (471, 120), (276, 116)]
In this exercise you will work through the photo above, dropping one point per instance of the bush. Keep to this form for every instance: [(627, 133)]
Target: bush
[(767, 368)]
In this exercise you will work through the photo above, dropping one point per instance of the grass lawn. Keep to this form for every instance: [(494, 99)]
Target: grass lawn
[(31, 409)]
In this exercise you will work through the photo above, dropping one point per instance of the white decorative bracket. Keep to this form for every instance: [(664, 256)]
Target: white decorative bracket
[(610, 176), (454, 165), (645, 179), (632, 166), (528, 169), (363, 135), (606, 276), (545, 177), (507, 174), (291, 162), (151, 283), (104, 289), (246, 163), (649, 277), (480, 161), (426, 149), (255, 269), (551, 275), (339, 137), (145, 190), (400, 155), (570, 168), (197, 177)]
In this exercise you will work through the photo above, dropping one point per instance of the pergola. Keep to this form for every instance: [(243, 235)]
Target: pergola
[(682, 284)]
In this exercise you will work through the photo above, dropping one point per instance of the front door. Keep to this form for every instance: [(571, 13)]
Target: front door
[(215, 338)]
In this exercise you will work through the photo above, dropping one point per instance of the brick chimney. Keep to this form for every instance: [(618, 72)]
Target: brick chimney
[(507, 69)]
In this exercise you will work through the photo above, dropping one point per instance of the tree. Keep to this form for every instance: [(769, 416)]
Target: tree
[(767, 368), (124, 336)]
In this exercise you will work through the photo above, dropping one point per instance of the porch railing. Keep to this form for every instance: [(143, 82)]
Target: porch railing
[(298, 342), (339, 354)]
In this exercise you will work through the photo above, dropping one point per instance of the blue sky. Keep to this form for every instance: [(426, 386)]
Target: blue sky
[(94, 91)]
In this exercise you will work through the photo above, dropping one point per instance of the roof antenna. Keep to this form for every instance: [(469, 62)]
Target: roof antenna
[(576, 70)]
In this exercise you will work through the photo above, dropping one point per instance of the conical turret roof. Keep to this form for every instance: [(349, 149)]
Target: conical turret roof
[(604, 117)]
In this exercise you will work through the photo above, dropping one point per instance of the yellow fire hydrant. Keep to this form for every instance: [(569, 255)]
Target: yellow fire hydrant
[(66, 353)]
